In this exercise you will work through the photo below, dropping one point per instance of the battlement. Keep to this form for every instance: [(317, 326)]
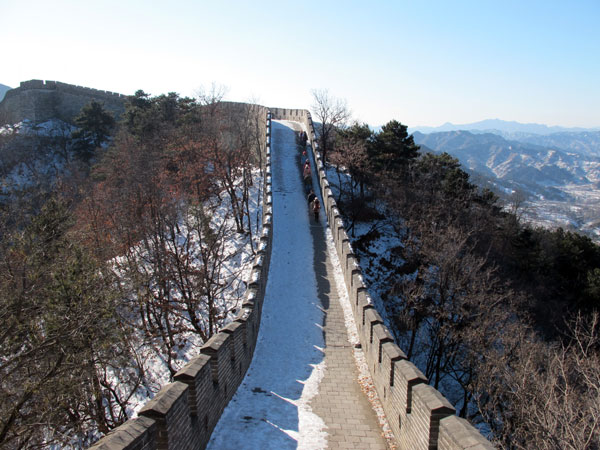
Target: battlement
[(40, 100), (71, 88)]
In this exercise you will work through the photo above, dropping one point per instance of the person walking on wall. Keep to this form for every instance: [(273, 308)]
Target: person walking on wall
[(306, 170), (306, 175), (316, 206)]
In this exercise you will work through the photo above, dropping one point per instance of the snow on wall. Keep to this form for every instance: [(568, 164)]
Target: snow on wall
[(183, 414), (420, 417)]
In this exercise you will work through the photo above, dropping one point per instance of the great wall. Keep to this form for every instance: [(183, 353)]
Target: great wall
[(184, 412), (39, 100)]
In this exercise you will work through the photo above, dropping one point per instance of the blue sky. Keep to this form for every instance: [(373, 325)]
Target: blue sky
[(420, 62)]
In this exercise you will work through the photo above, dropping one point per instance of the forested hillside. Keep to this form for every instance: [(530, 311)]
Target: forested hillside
[(501, 317), (556, 186), (123, 248)]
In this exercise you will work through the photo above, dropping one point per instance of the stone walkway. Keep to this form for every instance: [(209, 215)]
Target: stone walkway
[(301, 390), (350, 420)]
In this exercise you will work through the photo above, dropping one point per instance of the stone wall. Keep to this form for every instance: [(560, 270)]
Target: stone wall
[(39, 100), (183, 413), (420, 417)]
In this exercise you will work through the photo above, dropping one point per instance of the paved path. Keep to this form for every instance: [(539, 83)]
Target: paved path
[(348, 415), (300, 391)]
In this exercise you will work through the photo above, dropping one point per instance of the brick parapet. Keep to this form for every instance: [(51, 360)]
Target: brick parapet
[(420, 417), (71, 88), (183, 413), (135, 434)]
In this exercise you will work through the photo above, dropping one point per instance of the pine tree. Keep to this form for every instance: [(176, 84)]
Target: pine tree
[(393, 148), (95, 126)]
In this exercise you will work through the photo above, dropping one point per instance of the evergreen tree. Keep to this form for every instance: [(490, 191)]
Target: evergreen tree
[(60, 328), (393, 148), (95, 126), (443, 173)]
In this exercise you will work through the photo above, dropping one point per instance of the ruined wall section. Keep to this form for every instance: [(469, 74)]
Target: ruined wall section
[(39, 100)]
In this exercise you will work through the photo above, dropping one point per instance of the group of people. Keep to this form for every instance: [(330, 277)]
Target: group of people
[(313, 201), (302, 138)]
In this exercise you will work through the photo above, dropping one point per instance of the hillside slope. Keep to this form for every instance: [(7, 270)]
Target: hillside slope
[(561, 186)]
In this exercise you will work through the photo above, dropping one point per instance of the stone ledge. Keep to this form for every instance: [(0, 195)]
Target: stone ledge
[(190, 371), (160, 405), (128, 435), (462, 435)]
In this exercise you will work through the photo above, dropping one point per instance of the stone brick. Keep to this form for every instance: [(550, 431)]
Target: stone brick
[(170, 409), (457, 433), (135, 434)]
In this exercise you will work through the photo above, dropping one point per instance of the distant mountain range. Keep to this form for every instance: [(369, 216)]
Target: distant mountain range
[(498, 126), (558, 174), (3, 89), (529, 165), (582, 142)]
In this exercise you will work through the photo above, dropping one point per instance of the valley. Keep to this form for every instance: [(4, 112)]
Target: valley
[(551, 178)]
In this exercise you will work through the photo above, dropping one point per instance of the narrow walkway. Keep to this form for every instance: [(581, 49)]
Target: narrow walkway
[(300, 390), (348, 415)]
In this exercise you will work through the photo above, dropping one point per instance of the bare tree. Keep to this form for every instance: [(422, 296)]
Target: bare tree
[(331, 112), (534, 394), (211, 97)]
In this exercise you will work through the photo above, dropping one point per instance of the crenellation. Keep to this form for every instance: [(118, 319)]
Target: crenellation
[(194, 374), (372, 318), (135, 434), (170, 409), (415, 424), (419, 416), (349, 259), (217, 347), (391, 354), (357, 286), (238, 349), (457, 433), (429, 407), (381, 336)]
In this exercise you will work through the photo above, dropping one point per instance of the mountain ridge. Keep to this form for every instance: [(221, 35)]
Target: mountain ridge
[(560, 187), (499, 125), (525, 163)]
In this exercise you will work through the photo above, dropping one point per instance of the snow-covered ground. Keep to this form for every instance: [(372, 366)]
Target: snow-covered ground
[(37, 158), (272, 401), (234, 272), (580, 211)]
